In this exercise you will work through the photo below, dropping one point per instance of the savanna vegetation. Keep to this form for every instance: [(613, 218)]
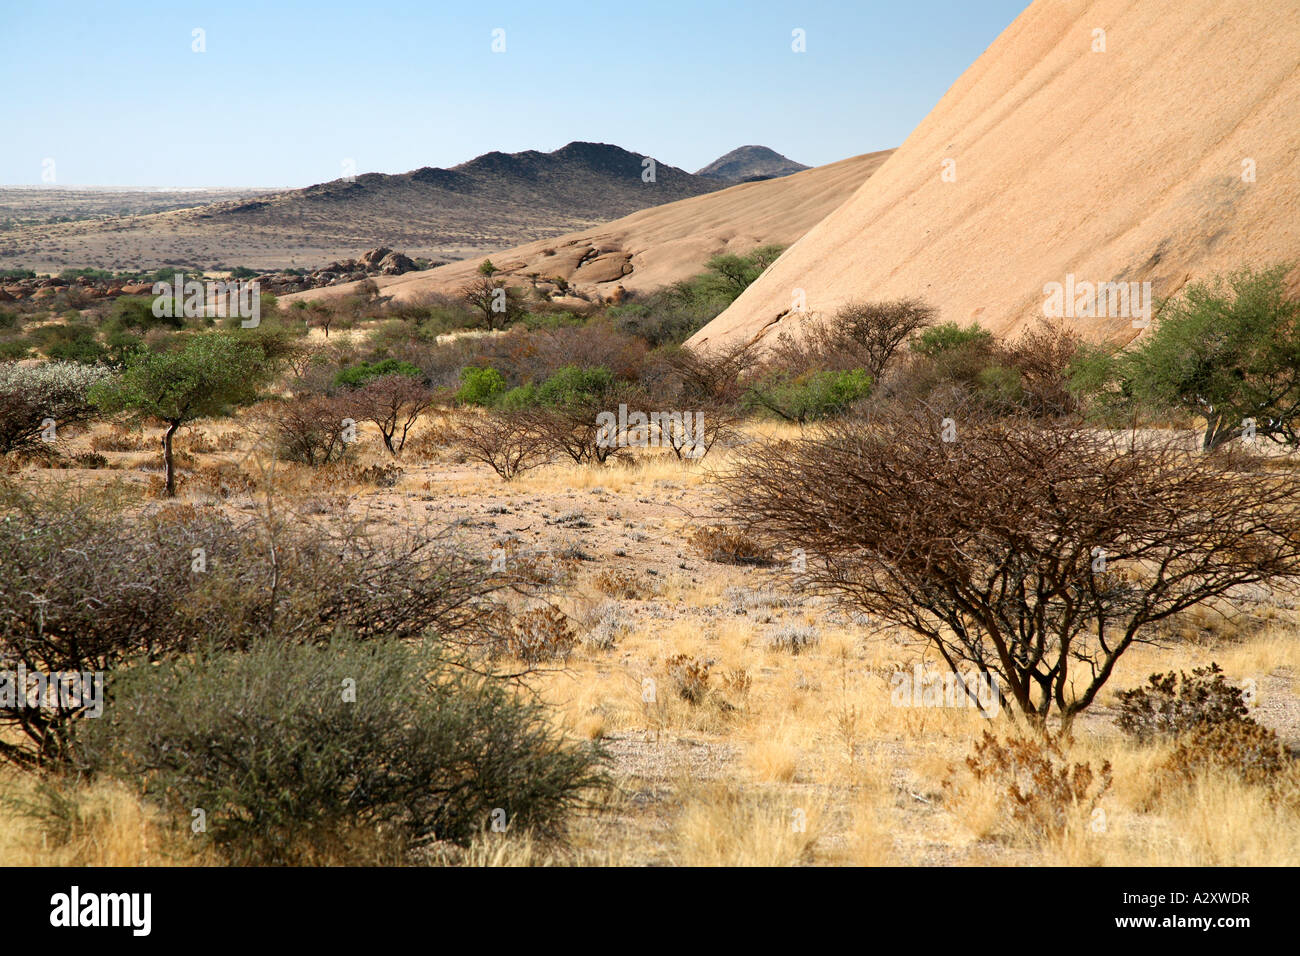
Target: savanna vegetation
[(535, 582)]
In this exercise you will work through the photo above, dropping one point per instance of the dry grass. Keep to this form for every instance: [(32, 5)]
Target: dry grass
[(717, 781), (104, 824)]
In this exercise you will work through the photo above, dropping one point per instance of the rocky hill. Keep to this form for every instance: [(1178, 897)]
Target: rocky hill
[(493, 201), (750, 163)]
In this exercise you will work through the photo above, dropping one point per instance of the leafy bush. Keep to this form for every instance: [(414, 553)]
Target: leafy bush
[(356, 376), (519, 398), (811, 396), (573, 385), (69, 342), (948, 337), (283, 746), (480, 386), (1000, 386), (739, 272), (134, 312), (29, 395), (15, 350), (1226, 350)]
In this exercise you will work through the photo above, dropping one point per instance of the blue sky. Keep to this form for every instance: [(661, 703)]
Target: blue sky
[(286, 92)]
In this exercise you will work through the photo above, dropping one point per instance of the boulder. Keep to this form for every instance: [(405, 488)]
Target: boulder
[(604, 268), (371, 259), (396, 264)]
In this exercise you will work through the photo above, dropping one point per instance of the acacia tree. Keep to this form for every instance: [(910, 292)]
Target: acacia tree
[(394, 403), (498, 304), (737, 273), (210, 375), (1226, 350), (1038, 553), (506, 442), (865, 335)]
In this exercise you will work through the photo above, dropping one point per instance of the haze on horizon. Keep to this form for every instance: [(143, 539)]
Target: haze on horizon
[(410, 84)]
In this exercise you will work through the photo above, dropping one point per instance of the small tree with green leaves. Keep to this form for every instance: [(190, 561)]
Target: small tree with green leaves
[(213, 373), (1228, 351)]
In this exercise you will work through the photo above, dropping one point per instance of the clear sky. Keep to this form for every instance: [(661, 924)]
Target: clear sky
[(285, 93)]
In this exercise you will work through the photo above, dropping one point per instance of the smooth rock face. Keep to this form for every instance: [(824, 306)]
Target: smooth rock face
[(1050, 157)]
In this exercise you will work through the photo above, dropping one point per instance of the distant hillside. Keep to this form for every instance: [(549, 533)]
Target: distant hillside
[(749, 163), (496, 200), (653, 247)]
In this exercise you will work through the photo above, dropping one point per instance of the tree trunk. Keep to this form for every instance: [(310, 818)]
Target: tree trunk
[(1207, 443), (1217, 433), (168, 465)]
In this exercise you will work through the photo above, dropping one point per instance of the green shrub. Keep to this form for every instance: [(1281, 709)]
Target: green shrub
[(136, 312), (525, 396), (87, 272), (122, 346), (13, 350), (283, 747), (355, 376), (69, 342), (572, 385), (950, 336), (1000, 386), (812, 396), (480, 386)]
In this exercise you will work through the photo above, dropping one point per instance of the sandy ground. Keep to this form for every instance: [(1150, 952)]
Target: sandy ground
[(813, 738)]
